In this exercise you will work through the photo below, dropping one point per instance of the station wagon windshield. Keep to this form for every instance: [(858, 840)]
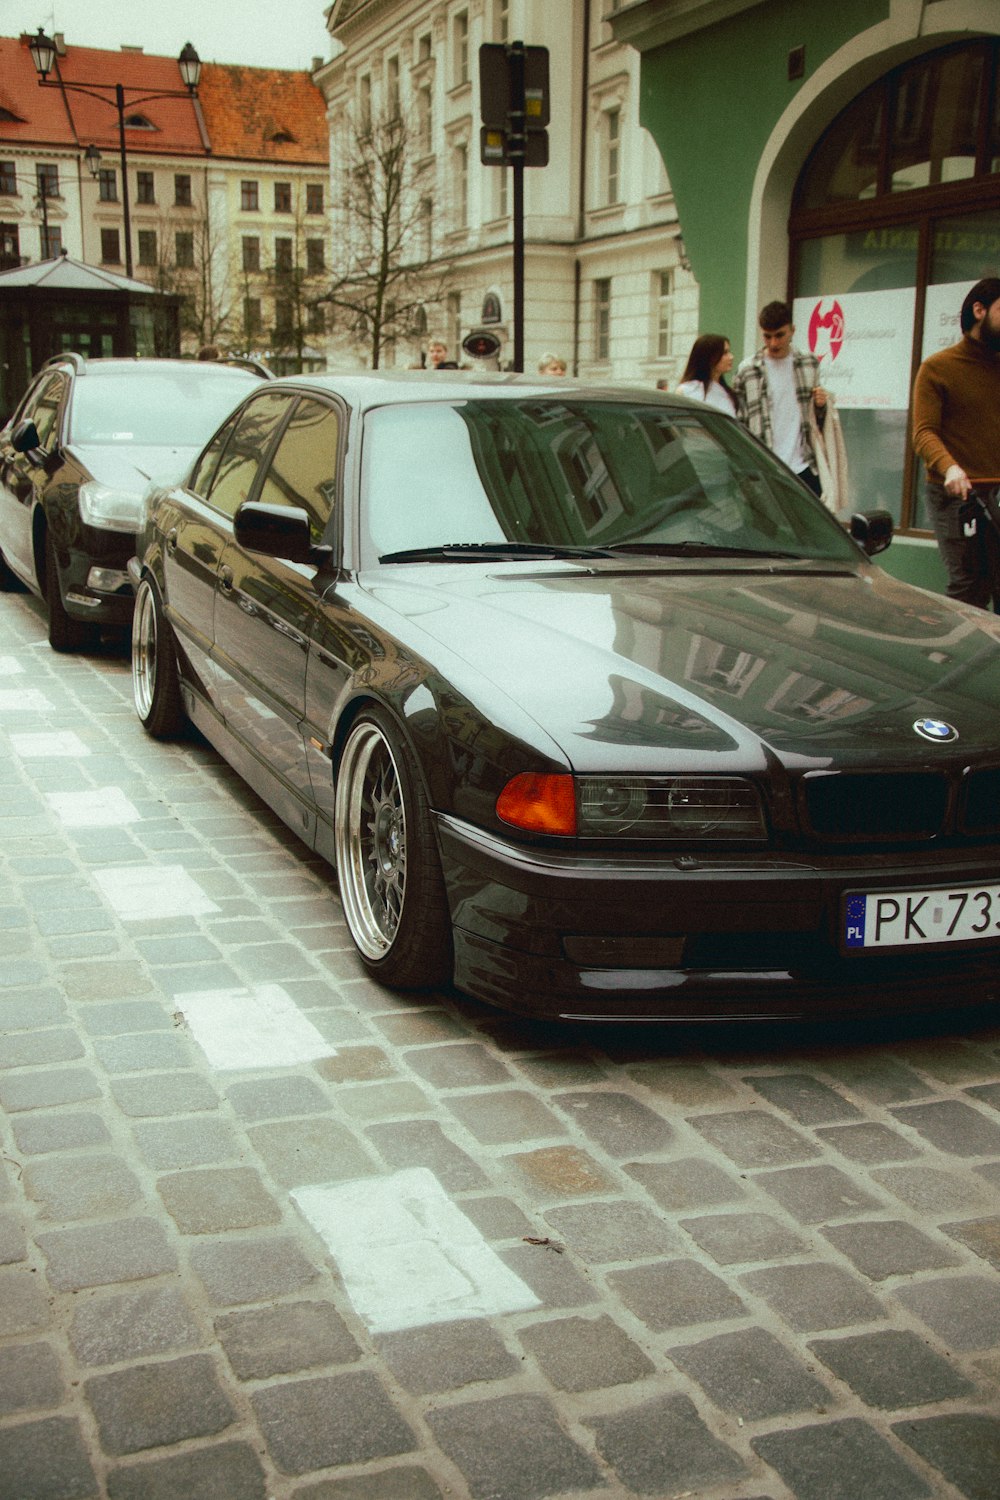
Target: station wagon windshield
[(520, 478)]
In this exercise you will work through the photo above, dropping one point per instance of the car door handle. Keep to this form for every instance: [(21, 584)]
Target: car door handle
[(172, 541), (226, 580)]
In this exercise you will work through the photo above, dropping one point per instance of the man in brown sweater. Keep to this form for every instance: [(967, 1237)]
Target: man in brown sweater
[(956, 431)]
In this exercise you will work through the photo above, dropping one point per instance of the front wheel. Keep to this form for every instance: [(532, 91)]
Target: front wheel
[(156, 686), (388, 865)]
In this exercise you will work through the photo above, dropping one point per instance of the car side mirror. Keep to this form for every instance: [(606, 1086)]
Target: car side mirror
[(872, 530), (280, 531), (25, 439)]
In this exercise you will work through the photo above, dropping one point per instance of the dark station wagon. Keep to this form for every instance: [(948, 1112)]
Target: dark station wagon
[(593, 706)]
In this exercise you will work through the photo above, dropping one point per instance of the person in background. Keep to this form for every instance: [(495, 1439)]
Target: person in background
[(437, 355), (776, 392), (704, 377), (956, 431), (209, 351), (552, 364)]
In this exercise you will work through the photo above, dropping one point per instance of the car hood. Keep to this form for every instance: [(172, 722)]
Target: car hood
[(132, 467), (814, 667)]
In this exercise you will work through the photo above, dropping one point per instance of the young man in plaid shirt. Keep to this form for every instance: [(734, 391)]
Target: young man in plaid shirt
[(774, 391)]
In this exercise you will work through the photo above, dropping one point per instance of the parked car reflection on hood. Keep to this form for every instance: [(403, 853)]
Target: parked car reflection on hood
[(592, 706)]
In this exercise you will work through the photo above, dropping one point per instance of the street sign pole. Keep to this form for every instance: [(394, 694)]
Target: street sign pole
[(516, 152)]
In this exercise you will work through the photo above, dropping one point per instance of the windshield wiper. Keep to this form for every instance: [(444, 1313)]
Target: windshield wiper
[(491, 551), (700, 549)]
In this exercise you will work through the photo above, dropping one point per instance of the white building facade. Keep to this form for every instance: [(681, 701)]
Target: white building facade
[(607, 285)]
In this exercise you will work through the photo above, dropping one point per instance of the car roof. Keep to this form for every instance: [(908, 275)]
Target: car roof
[(138, 366), (389, 387)]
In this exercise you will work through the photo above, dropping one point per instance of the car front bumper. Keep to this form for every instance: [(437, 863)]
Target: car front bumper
[(660, 937)]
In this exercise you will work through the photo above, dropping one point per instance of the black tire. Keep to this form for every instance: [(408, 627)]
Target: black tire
[(156, 688), (388, 865), (65, 633)]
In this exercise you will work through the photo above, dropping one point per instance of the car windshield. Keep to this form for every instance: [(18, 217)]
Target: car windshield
[(519, 477), (175, 408)]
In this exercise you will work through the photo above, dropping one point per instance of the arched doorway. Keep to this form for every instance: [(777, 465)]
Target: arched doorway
[(895, 214)]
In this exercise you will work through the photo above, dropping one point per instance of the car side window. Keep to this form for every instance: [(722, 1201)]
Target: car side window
[(204, 470), (43, 410), (246, 451), (303, 470)]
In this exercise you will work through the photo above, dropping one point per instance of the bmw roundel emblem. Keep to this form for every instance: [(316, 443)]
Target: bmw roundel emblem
[(936, 730)]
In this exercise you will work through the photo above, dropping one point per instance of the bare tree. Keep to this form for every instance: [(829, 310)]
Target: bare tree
[(383, 234)]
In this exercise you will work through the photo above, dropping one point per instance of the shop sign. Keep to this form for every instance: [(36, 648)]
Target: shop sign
[(864, 343), (942, 309)]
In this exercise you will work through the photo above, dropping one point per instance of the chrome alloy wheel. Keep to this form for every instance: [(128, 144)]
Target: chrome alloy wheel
[(144, 650), (370, 840)]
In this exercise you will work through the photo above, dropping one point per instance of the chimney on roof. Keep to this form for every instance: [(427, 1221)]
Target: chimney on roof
[(60, 40), (130, 47), (317, 64)]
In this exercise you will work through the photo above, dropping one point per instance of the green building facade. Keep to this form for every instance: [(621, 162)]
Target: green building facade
[(844, 157)]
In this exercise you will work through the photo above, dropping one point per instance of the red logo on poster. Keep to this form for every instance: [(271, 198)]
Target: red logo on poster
[(833, 322)]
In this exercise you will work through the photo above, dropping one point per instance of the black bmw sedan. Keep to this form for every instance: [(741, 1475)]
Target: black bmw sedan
[(75, 458), (595, 709)]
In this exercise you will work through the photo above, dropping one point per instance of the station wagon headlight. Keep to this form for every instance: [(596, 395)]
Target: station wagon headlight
[(110, 509)]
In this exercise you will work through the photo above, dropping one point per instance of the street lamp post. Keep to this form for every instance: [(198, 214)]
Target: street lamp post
[(43, 55)]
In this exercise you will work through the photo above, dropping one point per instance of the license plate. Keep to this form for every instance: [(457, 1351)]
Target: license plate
[(908, 919)]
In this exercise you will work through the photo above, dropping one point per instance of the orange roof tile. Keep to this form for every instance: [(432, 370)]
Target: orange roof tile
[(70, 118), (264, 114)]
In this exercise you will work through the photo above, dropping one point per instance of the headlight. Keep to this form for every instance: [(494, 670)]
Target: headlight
[(110, 509), (670, 809), (689, 808)]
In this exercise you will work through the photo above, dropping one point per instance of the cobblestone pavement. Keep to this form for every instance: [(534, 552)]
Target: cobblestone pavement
[(268, 1230)]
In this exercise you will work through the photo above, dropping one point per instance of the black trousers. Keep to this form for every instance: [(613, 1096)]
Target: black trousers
[(811, 478), (969, 543)]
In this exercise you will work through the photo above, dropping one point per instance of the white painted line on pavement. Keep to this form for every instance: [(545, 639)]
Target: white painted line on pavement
[(105, 807), (408, 1255), (259, 1027), (25, 701), (59, 742), (139, 892), (10, 666)]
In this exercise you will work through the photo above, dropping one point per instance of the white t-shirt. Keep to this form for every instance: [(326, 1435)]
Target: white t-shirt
[(716, 395), (786, 418)]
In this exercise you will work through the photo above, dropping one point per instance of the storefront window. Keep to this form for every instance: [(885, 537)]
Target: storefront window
[(896, 215)]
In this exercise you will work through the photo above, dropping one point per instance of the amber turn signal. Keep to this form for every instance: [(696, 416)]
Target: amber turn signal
[(539, 803)]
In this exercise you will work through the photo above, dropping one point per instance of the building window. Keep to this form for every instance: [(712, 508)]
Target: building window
[(283, 324), (184, 249), (424, 118), (602, 321), (282, 197), (251, 315), (110, 248), (365, 103), (144, 188), (249, 197), (47, 178), (426, 227), (501, 20), (283, 261), (147, 247), (664, 290), (424, 48), (612, 154), (251, 252), (182, 189), (314, 197), (107, 185), (317, 319), (460, 181), (392, 88), (315, 256), (51, 239), (10, 247), (460, 53), (8, 179)]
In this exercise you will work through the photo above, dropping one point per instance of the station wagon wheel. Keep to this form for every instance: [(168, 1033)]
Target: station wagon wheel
[(388, 865), (65, 633), (156, 686)]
